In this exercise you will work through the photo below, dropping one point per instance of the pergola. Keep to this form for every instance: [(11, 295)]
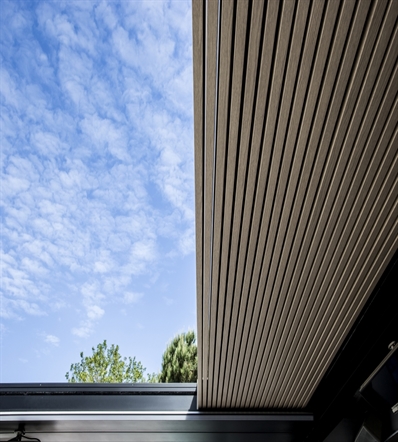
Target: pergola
[(295, 113)]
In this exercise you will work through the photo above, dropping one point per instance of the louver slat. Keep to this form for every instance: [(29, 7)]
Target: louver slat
[(231, 136), (198, 33), (224, 79), (210, 100), (296, 188)]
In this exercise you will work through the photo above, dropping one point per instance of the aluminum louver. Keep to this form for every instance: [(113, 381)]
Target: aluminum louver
[(295, 106)]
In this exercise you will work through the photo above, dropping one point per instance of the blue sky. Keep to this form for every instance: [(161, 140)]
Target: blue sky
[(97, 185)]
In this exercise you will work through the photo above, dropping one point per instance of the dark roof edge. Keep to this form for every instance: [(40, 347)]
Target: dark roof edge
[(28, 389)]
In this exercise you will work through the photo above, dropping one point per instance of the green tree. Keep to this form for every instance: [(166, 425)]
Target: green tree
[(180, 360), (106, 365)]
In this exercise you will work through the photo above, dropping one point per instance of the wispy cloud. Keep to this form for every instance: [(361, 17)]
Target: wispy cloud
[(131, 297), (97, 154), (51, 339), (168, 301)]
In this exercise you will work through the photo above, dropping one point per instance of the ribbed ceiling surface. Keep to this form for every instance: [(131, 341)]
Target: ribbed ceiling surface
[(296, 187)]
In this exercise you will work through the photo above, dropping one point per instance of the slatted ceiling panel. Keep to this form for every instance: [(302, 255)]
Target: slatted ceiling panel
[(376, 210), (228, 94), (390, 95), (266, 304), (377, 175), (239, 183), (383, 255), (267, 323), (257, 236), (316, 16), (249, 147), (286, 163), (244, 270), (279, 199), (241, 15), (296, 175), (321, 338), (339, 229), (273, 369), (394, 123), (211, 82), (198, 33), (336, 313), (225, 47)]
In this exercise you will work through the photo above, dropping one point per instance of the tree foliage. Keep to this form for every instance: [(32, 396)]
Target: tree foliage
[(180, 360), (106, 365)]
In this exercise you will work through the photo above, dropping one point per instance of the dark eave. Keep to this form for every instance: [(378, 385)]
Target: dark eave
[(146, 412)]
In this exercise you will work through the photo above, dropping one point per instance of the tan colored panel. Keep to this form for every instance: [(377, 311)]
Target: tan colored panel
[(211, 87), (331, 309), (198, 81), (255, 152), (372, 150), (348, 157), (227, 187), (251, 77), (327, 113), (339, 42), (370, 278), (363, 200), (297, 179), (246, 126), (379, 239), (300, 93), (245, 267), (285, 350), (278, 344), (224, 74), (241, 234), (324, 39)]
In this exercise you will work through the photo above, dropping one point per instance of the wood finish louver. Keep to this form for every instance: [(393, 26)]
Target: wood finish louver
[(296, 150)]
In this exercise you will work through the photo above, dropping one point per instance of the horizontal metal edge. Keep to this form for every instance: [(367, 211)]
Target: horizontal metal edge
[(155, 415), (95, 389), (96, 393)]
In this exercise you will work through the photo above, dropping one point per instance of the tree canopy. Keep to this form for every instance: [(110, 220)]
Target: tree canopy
[(180, 360), (106, 365)]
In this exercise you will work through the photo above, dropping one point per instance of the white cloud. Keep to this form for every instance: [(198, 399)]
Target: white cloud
[(187, 241), (33, 266), (12, 308), (131, 297), (104, 11), (84, 331), (103, 134), (47, 143), (13, 185), (51, 339), (97, 158), (94, 312), (92, 301), (144, 250), (168, 301)]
